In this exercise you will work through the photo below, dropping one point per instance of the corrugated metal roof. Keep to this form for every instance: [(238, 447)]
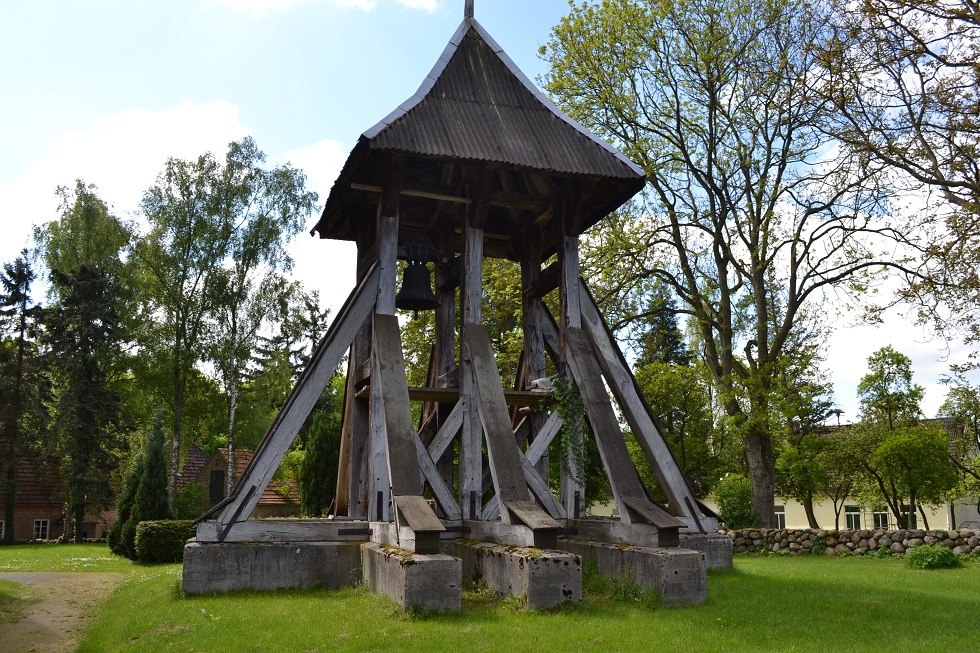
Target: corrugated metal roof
[(478, 106)]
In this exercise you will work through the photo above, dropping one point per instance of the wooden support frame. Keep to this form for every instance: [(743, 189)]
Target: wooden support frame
[(242, 501)]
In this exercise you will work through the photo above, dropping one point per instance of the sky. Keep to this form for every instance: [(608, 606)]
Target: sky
[(107, 90)]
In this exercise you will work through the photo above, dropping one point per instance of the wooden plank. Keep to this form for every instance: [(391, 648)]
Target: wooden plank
[(653, 513), (388, 261), (447, 433), (544, 436), (539, 486), (442, 492), (505, 465), (569, 286), (623, 478), (417, 514), (531, 515), (285, 530), (471, 437), (379, 481), (303, 397), (450, 395), (403, 470), (635, 409)]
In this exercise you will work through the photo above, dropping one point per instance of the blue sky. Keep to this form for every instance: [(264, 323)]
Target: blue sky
[(106, 90)]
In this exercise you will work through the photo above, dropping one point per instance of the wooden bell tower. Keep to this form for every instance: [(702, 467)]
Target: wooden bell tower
[(477, 164)]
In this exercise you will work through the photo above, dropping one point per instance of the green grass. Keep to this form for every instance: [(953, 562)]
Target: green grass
[(61, 557), (764, 604)]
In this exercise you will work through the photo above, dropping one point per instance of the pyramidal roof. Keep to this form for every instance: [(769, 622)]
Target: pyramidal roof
[(477, 104), (476, 110)]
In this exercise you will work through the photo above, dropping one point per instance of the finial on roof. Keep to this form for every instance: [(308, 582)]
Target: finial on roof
[(468, 9)]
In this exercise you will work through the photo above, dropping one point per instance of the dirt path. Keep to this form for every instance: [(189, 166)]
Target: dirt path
[(56, 610)]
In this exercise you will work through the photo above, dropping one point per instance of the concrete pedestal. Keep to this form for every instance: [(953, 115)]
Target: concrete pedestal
[(413, 580), (678, 575), (227, 567), (715, 547), (544, 578)]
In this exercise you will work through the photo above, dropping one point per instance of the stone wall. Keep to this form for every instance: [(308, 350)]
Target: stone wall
[(788, 541)]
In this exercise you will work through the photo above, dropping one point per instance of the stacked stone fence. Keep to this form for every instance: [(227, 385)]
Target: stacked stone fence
[(788, 541)]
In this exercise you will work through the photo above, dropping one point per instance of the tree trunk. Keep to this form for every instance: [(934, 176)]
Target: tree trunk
[(762, 468), (811, 518)]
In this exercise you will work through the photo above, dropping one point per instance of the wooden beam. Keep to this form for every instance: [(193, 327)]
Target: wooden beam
[(403, 470), (447, 432), (636, 411), (242, 501), (505, 466), (450, 395), (285, 530), (442, 492)]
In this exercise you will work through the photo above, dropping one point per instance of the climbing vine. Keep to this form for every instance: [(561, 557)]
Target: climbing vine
[(572, 411)]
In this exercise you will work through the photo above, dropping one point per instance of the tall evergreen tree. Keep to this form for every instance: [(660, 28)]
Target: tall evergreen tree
[(84, 332), (21, 384)]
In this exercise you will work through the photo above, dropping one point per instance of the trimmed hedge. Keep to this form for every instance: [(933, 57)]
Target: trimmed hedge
[(163, 540)]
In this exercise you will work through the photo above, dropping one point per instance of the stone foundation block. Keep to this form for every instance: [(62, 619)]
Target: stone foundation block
[(231, 566), (543, 577), (715, 547), (678, 575), (413, 580)]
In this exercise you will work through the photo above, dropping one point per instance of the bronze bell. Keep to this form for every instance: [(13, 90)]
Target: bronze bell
[(416, 292)]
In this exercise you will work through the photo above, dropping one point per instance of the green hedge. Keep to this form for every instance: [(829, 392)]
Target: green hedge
[(163, 541)]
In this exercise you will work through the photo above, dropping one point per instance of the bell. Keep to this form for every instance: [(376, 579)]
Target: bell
[(416, 293)]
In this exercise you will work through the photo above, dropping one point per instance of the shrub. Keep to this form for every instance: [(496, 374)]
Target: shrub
[(191, 501), (163, 541), (931, 556), (734, 496)]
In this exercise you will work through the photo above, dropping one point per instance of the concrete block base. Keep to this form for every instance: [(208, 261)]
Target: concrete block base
[(679, 576), (413, 580), (715, 547), (231, 566), (544, 578)]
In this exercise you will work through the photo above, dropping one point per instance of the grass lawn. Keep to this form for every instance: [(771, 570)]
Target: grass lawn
[(764, 604)]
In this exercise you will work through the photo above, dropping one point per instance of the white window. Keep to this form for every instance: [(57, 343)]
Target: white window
[(40, 529), (779, 517), (852, 517), (880, 518)]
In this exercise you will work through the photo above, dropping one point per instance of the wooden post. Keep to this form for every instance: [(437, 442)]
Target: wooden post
[(471, 437), (533, 310), (572, 484), (445, 345)]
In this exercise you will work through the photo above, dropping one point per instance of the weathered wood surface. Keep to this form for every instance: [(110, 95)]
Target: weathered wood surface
[(623, 477), (447, 433), (653, 513), (442, 492), (284, 530), (303, 397), (544, 436), (449, 395), (505, 465), (531, 515), (471, 436), (638, 415), (402, 460), (417, 514)]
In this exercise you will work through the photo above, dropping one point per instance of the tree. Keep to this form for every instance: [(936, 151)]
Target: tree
[(202, 215), (84, 332), (21, 383), (144, 493), (321, 451), (963, 406), (264, 209), (750, 214), (905, 460), (888, 395)]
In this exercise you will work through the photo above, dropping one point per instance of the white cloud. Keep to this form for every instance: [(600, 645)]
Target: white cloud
[(121, 153)]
